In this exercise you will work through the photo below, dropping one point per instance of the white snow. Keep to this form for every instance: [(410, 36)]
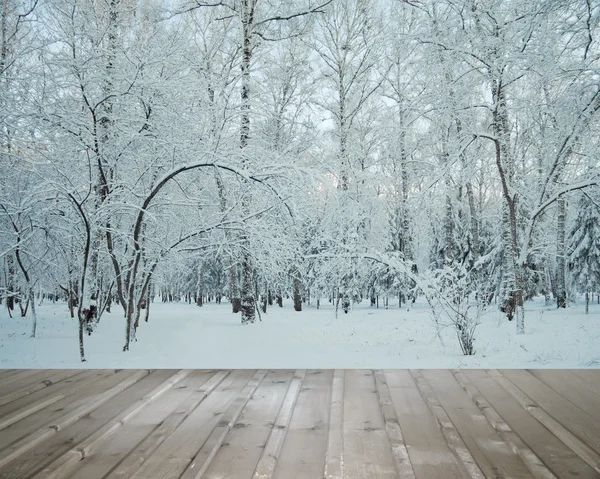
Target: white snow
[(180, 335)]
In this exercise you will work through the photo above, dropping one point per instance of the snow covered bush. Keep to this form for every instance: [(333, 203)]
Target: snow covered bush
[(453, 305)]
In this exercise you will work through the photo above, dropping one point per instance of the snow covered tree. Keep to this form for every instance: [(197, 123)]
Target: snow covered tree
[(584, 246)]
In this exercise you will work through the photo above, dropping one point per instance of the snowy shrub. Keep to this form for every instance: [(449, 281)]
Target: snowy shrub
[(452, 305)]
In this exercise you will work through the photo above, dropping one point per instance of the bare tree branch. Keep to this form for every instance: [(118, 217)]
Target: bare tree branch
[(317, 9)]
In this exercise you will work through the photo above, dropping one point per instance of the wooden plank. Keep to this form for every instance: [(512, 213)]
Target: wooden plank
[(50, 429), (51, 380), (334, 455), (22, 379), (367, 451), (268, 461), (28, 410), (491, 453), (16, 400), (241, 450), (22, 374), (65, 464), (303, 451), (588, 377), (91, 382), (453, 438), (539, 411), (117, 457), (34, 461), (179, 449), (392, 428), (584, 425), (561, 460), (516, 424), (6, 373), (429, 453), (531, 460), (567, 385), (205, 455), (64, 387), (151, 443)]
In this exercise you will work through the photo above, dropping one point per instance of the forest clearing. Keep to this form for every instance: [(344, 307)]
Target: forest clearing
[(211, 337), (441, 153)]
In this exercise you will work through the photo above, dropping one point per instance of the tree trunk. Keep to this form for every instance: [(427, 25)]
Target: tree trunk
[(200, 287), (561, 290), (297, 295), (248, 306), (587, 302), (547, 283), (264, 303), (10, 283), (512, 283), (33, 312), (147, 314), (234, 291), (448, 225), (81, 324)]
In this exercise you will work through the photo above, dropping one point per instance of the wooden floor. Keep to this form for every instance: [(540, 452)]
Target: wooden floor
[(299, 424)]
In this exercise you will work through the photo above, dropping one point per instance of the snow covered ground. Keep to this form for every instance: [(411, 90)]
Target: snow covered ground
[(186, 336)]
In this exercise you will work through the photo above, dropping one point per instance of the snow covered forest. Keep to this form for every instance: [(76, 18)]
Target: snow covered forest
[(320, 152)]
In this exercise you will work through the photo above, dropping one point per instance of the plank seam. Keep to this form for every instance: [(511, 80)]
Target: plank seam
[(36, 437), (130, 463), (334, 456), (561, 432), (392, 427), (65, 464), (28, 411), (584, 381), (451, 434), (268, 460), (217, 436), (20, 393), (535, 375), (516, 444)]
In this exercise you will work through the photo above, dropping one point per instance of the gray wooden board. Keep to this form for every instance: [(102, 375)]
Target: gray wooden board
[(243, 445), (149, 445), (64, 387), (51, 384), (179, 449), (95, 382), (305, 444), (49, 450), (580, 423), (589, 377), (191, 418), (107, 458), (492, 454), (565, 383), (22, 380), (428, 451), (559, 458), (367, 451)]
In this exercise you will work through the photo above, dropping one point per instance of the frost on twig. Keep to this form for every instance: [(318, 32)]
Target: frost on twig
[(453, 305)]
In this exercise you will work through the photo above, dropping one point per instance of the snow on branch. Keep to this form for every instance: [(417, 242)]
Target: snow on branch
[(278, 18)]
